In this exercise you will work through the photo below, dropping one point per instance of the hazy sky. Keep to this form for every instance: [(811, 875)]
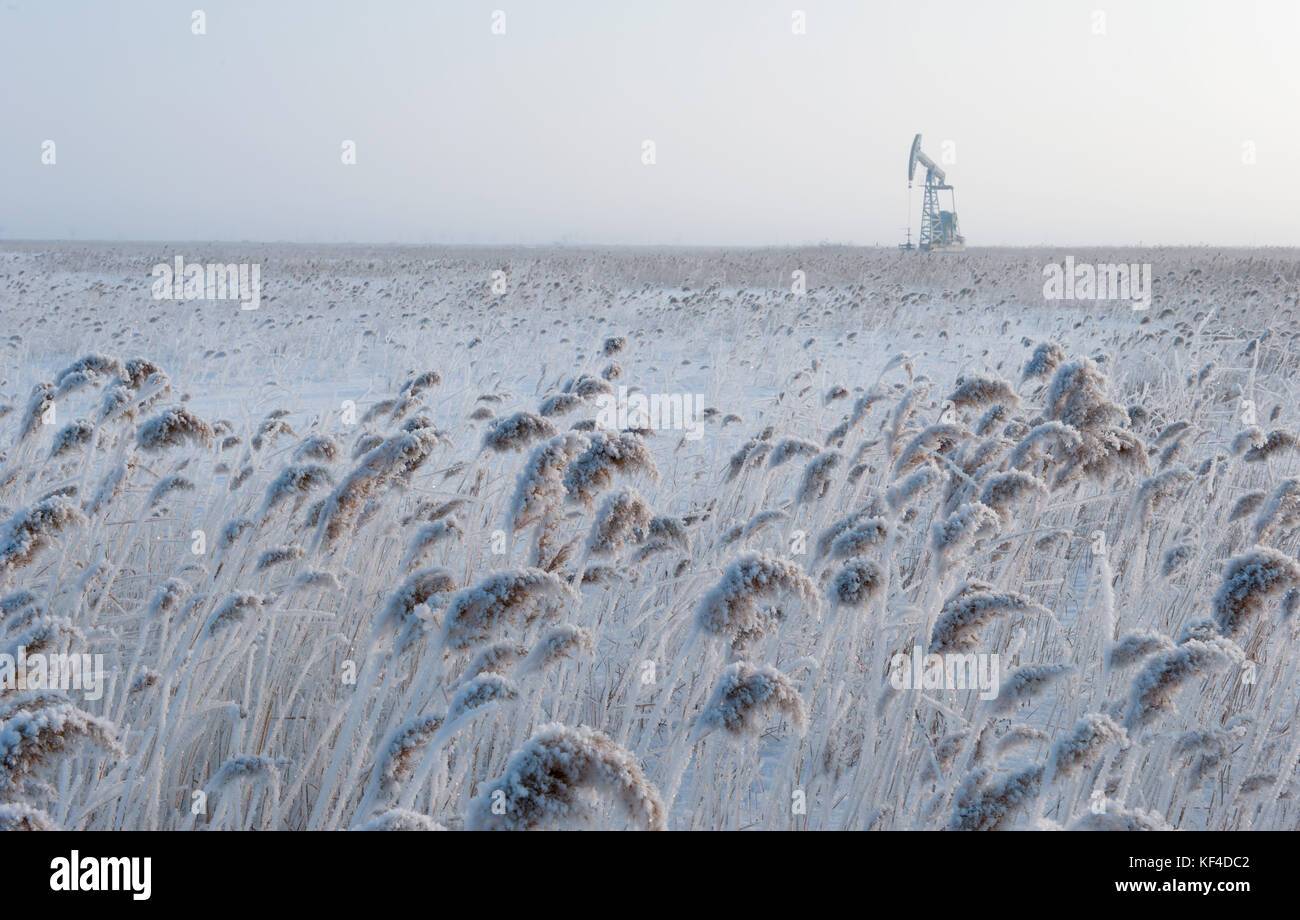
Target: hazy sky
[(1060, 135)]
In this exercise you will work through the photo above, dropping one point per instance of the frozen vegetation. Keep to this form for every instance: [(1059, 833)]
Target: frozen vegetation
[(373, 555)]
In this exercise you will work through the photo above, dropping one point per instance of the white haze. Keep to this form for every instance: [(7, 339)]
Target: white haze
[(1062, 137)]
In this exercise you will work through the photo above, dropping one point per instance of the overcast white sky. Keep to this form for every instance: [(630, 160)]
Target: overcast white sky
[(1061, 136)]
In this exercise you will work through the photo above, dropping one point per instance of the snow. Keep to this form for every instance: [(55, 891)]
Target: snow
[(851, 377)]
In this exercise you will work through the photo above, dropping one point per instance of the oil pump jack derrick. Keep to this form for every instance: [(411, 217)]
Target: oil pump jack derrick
[(939, 231)]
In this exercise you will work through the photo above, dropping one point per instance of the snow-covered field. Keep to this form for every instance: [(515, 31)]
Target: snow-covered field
[(367, 555)]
